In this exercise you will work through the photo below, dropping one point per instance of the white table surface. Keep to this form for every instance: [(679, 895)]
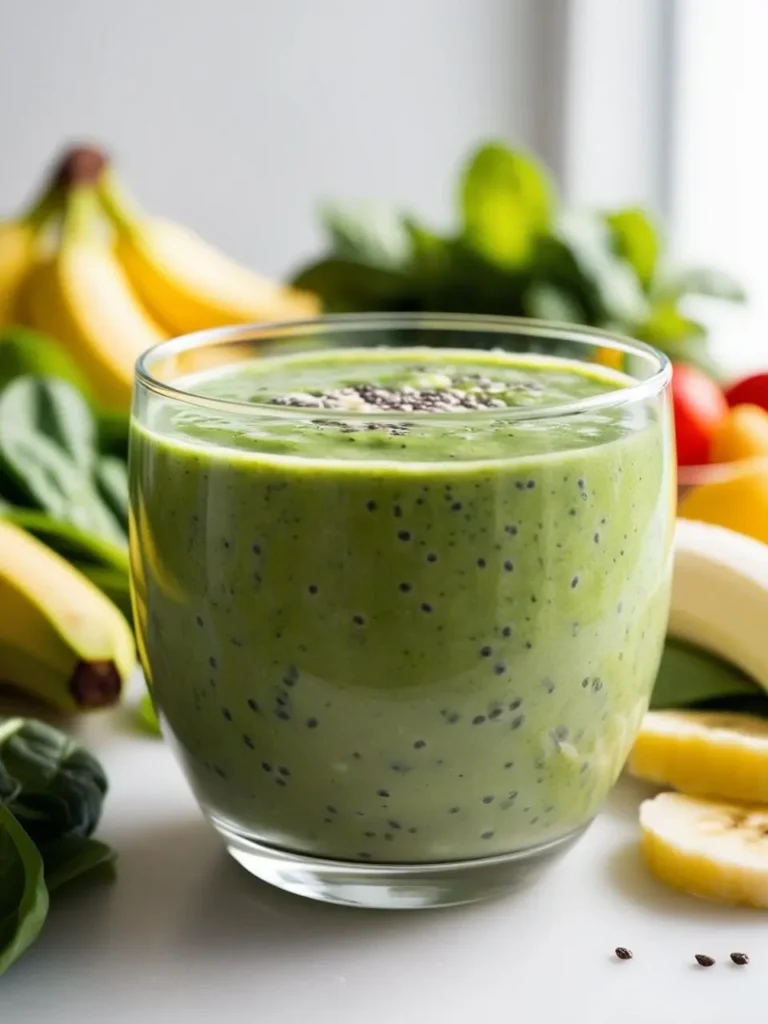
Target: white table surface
[(185, 934)]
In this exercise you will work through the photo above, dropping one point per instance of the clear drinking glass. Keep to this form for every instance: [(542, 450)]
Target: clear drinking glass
[(401, 654)]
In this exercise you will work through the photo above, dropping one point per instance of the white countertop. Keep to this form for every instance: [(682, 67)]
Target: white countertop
[(184, 934)]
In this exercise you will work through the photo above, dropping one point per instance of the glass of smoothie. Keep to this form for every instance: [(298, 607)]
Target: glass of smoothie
[(401, 587)]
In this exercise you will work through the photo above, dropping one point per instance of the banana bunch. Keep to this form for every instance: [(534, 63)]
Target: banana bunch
[(61, 639), (711, 837), (85, 266)]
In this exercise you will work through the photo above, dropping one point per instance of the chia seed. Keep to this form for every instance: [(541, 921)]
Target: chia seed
[(623, 953), (704, 960)]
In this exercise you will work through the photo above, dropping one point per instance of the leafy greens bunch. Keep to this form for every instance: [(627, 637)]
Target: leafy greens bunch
[(517, 252), (63, 473), (51, 794)]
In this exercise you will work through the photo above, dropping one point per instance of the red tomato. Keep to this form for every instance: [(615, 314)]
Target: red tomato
[(699, 407), (750, 391)]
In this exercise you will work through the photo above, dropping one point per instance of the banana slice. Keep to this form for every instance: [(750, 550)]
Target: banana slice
[(712, 753), (715, 850)]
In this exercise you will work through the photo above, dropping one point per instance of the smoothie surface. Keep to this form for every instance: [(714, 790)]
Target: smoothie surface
[(406, 405)]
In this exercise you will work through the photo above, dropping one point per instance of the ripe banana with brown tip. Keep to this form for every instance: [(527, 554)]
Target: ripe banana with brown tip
[(61, 639)]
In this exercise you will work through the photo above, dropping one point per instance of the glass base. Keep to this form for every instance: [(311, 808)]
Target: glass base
[(394, 886)]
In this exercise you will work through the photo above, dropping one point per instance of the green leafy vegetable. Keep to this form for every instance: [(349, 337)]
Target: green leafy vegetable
[(23, 894), (636, 240), (516, 251), (24, 351), (49, 781), (701, 281), (690, 677), (51, 795), (72, 857), (371, 233), (505, 203), (49, 459)]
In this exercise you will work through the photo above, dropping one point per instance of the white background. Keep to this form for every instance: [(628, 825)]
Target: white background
[(235, 116), (719, 162)]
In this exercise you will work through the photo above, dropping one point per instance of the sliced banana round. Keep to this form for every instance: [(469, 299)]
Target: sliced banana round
[(715, 850), (712, 753)]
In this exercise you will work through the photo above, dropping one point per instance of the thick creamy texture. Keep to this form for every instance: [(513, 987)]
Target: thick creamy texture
[(420, 641)]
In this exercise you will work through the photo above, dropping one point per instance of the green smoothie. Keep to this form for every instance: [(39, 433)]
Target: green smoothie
[(385, 617)]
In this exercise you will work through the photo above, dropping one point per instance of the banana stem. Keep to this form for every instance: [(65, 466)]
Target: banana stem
[(122, 211), (43, 208), (81, 213)]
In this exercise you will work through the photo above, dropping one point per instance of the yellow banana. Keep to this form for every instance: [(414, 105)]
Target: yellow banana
[(715, 850), (81, 296), (18, 246), (713, 753), (186, 283), (61, 639)]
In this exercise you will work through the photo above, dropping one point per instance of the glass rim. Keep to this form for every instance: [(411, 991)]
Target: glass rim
[(636, 391)]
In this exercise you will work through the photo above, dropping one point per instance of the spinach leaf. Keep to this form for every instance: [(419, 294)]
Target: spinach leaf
[(618, 296), (51, 783), (23, 895), (111, 476), (24, 351), (368, 233), (505, 203), (636, 240), (700, 281), (55, 410), (347, 286), (71, 857), (113, 430), (689, 676), (48, 455)]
